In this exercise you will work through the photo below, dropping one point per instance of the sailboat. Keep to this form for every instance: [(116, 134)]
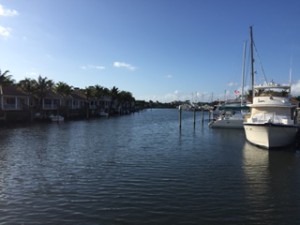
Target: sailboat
[(271, 123), (231, 113)]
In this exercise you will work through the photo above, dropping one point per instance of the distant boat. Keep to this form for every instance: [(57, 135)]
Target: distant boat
[(56, 118), (229, 115), (271, 123), (102, 113)]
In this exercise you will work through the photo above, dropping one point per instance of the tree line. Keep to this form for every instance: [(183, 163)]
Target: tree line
[(42, 85)]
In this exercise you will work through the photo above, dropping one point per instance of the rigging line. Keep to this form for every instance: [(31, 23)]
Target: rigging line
[(260, 63)]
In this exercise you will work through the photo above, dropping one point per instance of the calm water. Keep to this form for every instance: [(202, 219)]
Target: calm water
[(140, 169)]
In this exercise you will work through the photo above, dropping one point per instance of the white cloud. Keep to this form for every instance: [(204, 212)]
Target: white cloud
[(124, 65), (180, 96), (296, 88), (5, 32), (92, 67), (231, 84), (7, 12)]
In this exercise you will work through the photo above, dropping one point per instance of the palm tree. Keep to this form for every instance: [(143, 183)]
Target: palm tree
[(98, 91), (28, 85), (63, 89), (126, 96), (114, 92), (5, 79), (89, 93), (44, 85), (126, 100)]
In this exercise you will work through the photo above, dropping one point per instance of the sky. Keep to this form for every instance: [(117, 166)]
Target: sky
[(159, 50)]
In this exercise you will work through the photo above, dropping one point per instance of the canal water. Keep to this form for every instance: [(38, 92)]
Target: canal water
[(141, 169)]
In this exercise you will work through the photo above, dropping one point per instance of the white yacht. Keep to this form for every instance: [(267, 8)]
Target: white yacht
[(271, 123)]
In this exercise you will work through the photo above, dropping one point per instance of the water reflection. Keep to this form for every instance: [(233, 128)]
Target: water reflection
[(255, 167), (271, 181)]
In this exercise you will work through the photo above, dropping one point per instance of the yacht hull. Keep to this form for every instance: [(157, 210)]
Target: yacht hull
[(270, 135)]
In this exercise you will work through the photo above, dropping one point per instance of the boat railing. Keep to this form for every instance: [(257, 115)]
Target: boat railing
[(270, 118)]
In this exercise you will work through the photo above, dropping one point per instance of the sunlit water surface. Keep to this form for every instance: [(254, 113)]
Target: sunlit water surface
[(141, 169)]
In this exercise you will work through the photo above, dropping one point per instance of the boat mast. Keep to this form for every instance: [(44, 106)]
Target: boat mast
[(252, 62), (243, 73), (291, 71)]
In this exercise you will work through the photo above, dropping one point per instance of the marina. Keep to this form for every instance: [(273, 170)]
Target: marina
[(142, 169), (129, 112)]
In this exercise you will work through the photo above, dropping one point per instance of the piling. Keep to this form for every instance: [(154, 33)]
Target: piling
[(194, 117), (202, 115), (180, 115)]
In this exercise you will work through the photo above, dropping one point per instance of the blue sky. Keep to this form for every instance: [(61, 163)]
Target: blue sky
[(160, 50)]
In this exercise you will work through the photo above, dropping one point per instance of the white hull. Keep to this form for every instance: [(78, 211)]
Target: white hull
[(270, 135), (56, 118), (103, 114), (227, 123)]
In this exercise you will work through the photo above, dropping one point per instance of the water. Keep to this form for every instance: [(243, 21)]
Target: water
[(141, 169)]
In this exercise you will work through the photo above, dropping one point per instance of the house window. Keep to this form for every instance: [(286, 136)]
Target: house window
[(56, 102), (10, 101), (47, 101)]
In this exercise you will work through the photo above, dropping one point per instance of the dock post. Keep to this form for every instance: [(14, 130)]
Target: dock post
[(194, 117), (180, 112)]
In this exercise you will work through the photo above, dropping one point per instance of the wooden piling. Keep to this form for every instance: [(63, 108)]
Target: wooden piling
[(180, 116), (194, 117)]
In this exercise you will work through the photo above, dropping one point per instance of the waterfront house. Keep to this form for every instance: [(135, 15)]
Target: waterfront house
[(14, 104), (13, 99), (76, 100), (51, 101)]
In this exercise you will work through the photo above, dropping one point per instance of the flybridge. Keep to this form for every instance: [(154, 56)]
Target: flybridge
[(272, 85), (272, 89)]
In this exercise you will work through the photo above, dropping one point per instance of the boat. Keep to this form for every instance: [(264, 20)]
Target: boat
[(56, 118), (271, 123), (102, 113), (229, 115)]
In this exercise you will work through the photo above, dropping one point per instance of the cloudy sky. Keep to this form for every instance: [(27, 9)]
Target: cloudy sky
[(161, 50)]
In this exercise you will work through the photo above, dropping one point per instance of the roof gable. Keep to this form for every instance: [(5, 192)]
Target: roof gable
[(12, 91)]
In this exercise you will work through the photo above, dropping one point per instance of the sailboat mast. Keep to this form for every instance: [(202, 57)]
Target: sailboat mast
[(243, 73), (252, 62)]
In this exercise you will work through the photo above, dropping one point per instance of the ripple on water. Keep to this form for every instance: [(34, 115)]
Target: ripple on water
[(140, 169)]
